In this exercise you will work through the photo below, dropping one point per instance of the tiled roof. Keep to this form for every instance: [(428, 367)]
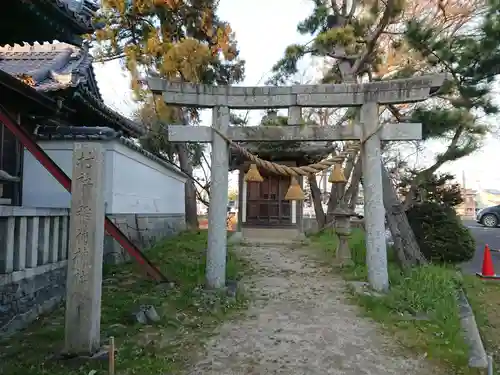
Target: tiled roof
[(53, 67), (79, 12), (20, 97), (303, 153), (48, 132), (46, 20)]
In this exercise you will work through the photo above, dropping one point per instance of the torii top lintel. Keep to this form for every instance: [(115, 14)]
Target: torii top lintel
[(261, 97)]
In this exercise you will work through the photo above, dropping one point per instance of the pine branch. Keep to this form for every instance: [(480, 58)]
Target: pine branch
[(372, 40), (426, 173)]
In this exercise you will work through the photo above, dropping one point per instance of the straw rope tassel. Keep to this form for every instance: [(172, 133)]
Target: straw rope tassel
[(253, 174), (295, 192), (337, 176)]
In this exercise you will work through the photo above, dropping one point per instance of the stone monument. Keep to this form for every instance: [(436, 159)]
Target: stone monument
[(85, 256)]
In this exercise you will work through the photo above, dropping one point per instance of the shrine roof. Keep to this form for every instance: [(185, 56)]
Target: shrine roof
[(29, 21), (65, 71), (100, 134), (301, 152)]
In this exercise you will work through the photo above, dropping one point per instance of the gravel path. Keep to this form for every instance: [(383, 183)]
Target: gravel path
[(300, 323)]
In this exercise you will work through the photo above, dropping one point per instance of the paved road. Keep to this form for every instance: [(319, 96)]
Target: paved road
[(483, 236)]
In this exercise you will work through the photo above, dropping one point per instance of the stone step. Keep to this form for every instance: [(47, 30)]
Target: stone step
[(272, 233), (272, 236), (291, 245)]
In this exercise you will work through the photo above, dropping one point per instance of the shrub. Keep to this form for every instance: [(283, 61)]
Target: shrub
[(440, 234)]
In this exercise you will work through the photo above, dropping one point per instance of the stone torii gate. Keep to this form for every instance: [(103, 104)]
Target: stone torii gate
[(368, 96)]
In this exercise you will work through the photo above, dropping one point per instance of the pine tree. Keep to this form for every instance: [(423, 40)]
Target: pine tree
[(374, 40), (174, 39), (468, 53), (471, 59), (349, 38)]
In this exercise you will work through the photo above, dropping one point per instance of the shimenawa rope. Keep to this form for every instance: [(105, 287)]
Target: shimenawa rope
[(305, 170)]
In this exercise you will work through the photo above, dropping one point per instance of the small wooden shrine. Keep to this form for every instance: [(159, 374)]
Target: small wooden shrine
[(265, 204)]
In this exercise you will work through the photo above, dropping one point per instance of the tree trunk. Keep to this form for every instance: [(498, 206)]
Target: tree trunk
[(406, 245), (189, 188), (317, 201), (332, 201)]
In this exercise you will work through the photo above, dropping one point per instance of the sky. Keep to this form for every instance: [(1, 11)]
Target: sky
[(264, 28)]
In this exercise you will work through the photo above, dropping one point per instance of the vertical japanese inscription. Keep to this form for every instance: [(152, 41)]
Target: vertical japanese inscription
[(83, 299)]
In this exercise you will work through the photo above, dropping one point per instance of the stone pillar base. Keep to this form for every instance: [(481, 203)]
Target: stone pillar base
[(101, 355)]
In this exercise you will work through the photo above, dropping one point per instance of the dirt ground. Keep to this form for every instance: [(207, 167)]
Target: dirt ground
[(300, 323)]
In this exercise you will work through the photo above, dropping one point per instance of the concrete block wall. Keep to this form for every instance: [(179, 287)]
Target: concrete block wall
[(144, 230), (24, 299)]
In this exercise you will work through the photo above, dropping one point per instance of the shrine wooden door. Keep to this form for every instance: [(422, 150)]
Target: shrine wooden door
[(266, 204)]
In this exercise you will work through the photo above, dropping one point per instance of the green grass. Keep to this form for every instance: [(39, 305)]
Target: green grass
[(427, 292), (484, 297), (188, 316)]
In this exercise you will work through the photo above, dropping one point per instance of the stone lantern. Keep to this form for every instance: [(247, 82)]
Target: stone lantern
[(342, 221)]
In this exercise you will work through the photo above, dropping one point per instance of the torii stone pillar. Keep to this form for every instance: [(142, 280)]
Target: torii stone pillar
[(376, 247), (217, 212), (367, 96)]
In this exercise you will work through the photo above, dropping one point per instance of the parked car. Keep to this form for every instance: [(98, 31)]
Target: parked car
[(489, 216)]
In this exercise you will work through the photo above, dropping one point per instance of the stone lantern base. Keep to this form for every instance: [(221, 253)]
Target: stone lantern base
[(343, 231)]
